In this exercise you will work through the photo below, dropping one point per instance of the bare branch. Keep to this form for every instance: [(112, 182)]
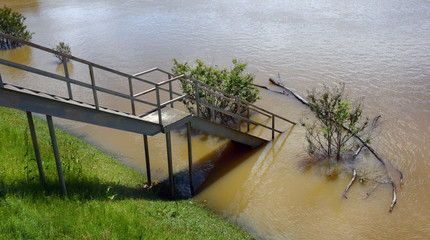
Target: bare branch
[(354, 176)]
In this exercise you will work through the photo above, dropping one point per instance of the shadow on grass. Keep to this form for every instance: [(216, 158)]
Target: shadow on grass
[(206, 171), (91, 189)]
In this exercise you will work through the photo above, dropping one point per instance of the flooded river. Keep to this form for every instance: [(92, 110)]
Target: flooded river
[(380, 49)]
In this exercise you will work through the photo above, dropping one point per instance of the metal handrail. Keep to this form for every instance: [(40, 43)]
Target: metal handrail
[(73, 58), (132, 97), (151, 70), (245, 105), (242, 103), (64, 79), (246, 102), (159, 84), (236, 116), (222, 94)]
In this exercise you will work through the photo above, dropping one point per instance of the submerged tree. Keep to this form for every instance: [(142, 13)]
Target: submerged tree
[(344, 128), (12, 23), (338, 129), (63, 48), (233, 82), (337, 122)]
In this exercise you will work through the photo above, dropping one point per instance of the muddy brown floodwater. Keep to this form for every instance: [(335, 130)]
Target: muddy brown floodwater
[(380, 49)]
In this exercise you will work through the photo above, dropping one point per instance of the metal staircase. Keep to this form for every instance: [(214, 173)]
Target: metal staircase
[(162, 116)]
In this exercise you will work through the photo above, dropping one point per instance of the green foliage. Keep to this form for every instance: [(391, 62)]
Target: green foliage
[(12, 23), (63, 48), (327, 136), (233, 82), (105, 199)]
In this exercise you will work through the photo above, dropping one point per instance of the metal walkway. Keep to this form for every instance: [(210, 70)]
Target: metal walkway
[(162, 117)]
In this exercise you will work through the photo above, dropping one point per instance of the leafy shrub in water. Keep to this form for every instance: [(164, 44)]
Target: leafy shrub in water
[(63, 48), (327, 137), (233, 82), (12, 23)]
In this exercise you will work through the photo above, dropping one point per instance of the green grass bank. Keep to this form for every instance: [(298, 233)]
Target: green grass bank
[(105, 200)]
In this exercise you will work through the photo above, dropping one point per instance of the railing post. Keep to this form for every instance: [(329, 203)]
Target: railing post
[(170, 90), (157, 91), (130, 86), (212, 114), (247, 116), (93, 85), (66, 73), (197, 98), (212, 108), (273, 126), (1, 82), (56, 155), (190, 158), (36, 147), (148, 167), (238, 113)]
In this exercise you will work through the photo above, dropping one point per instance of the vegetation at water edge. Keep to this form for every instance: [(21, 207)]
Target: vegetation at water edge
[(12, 23), (105, 200), (64, 48), (233, 82), (337, 123)]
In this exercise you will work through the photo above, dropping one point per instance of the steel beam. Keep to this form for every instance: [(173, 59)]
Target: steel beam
[(36, 147), (56, 155), (93, 85), (66, 74), (169, 162), (190, 158), (226, 132), (75, 111), (148, 167)]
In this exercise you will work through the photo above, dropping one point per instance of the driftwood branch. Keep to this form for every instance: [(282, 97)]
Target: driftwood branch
[(375, 154), (267, 88), (354, 176), (279, 84), (375, 123), (371, 191), (394, 197), (357, 152), (364, 143)]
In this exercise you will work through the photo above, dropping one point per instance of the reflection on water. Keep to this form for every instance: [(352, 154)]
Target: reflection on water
[(23, 6), (60, 68), (380, 49), (20, 55)]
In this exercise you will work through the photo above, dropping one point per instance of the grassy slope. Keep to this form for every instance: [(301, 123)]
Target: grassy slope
[(105, 199)]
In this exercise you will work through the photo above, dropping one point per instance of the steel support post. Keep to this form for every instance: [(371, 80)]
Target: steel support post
[(238, 113), (197, 99), (93, 86), (212, 109), (130, 86), (66, 74), (148, 166), (170, 89), (56, 154), (169, 162), (247, 114), (190, 158), (36, 147), (157, 93)]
